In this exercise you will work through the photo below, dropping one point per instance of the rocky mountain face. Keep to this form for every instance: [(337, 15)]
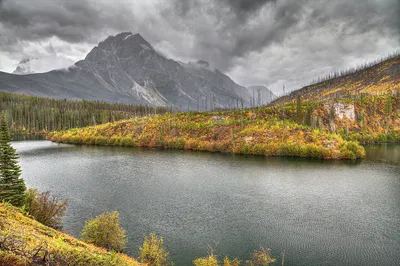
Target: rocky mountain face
[(260, 95), (125, 68)]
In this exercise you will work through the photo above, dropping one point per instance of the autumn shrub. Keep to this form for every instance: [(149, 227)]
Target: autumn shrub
[(191, 144), (153, 251), (314, 151), (127, 142), (175, 143), (114, 141), (75, 139), (234, 262), (289, 149), (210, 260), (105, 231), (223, 146), (205, 146), (241, 148), (10, 258), (45, 207), (259, 149), (100, 140), (88, 140), (352, 150), (261, 257), (144, 139)]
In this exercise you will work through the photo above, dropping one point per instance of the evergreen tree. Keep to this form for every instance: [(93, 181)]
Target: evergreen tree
[(12, 187)]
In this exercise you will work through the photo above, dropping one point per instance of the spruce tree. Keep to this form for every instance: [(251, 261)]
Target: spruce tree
[(12, 187)]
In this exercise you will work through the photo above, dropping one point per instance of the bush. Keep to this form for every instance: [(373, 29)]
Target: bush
[(105, 231), (352, 150), (241, 148), (45, 208), (234, 262), (259, 149), (211, 260), (261, 257), (101, 141), (153, 252)]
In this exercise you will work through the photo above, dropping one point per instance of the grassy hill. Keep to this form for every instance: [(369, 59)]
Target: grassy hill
[(23, 241), (258, 131), (375, 79)]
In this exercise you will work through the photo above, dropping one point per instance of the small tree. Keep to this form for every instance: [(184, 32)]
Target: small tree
[(105, 231), (153, 252), (12, 187), (45, 208), (261, 257)]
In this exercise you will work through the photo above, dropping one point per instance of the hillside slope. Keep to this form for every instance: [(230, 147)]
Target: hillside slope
[(126, 68), (258, 132), (381, 78), (23, 241)]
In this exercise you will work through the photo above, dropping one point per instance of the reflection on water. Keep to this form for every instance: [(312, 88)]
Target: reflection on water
[(388, 153), (19, 137), (321, 212)]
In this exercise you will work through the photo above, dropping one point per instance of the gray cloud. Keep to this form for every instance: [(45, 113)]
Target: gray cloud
[(255, 41)]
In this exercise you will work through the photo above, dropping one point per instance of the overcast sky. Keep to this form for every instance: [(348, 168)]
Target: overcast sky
[(256, 42)]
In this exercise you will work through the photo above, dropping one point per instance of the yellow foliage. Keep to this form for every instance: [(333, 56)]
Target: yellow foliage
[(19, 232)]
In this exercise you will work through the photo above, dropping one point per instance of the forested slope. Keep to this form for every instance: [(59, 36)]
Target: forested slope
[(29, 114), (379, 78)]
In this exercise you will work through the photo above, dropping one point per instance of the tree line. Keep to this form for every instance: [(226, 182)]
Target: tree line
[(30, 114), (353, 70)]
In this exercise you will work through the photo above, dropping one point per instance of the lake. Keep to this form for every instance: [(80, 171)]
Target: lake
[(320, 212)]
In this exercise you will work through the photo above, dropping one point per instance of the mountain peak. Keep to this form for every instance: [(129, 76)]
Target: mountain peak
[(124, 36), (123, 45)]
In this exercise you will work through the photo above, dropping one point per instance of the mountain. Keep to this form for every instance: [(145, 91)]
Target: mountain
[(261, 95), (376, 78), (126, 68)]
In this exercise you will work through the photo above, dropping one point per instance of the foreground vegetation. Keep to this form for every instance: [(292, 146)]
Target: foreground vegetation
[(24, 241)]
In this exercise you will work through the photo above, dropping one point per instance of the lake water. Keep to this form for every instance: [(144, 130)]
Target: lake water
[(320, 212)]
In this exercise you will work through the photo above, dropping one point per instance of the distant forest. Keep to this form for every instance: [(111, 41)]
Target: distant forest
[(29, 114)]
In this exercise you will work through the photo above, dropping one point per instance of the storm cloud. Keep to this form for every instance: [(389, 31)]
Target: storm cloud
[(267, 42)]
